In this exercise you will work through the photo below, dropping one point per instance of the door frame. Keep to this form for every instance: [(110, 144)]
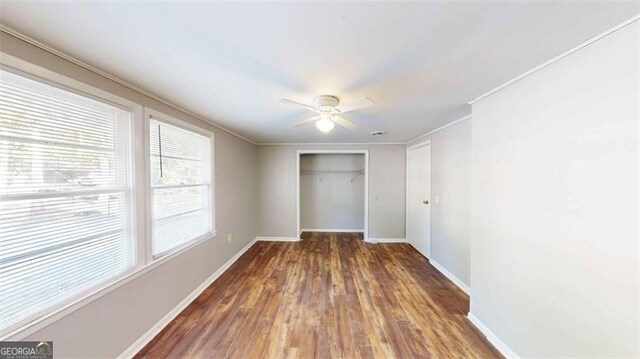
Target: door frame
[(406, 188), (366, 185)]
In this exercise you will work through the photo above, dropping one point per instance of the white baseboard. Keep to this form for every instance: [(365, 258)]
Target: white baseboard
[(465, 288), (278, 239), (134, 348), (334, 230), (387, 240), (492, 338)]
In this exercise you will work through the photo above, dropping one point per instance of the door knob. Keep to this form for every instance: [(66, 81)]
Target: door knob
[(425, 202)]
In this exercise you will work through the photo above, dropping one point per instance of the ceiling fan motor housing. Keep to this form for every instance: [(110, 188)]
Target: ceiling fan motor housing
[(326, 103)]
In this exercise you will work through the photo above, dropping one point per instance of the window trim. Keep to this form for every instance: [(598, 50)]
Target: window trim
[(152, 114), (132, 189), (139, 180), (139, 183), (56, 313)]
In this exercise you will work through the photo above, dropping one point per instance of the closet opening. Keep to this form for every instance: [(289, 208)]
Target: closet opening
[(332, 191)]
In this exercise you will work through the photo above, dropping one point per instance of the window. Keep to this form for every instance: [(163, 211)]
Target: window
[(181, 185), (65, 196)]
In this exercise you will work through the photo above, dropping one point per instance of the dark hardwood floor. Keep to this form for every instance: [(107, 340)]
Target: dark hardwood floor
[(328, 296)]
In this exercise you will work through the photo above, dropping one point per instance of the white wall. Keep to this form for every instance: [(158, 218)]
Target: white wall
[(277, 188), (554, 260), (450, 198), (330, 199), (107, 326)]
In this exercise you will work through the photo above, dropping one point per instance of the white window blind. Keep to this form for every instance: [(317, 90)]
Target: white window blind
[(181, 185), (65, 218)]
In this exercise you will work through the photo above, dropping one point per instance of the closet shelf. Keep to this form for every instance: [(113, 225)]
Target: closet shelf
[(330, 171), (354, 173)]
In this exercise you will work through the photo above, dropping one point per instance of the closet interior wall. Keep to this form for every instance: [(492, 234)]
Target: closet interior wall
[(332, 192)]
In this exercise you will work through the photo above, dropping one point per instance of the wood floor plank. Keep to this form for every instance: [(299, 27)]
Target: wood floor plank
[(329, 296)]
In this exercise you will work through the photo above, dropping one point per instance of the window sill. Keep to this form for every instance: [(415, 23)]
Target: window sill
[(169, 252), (84, 299)]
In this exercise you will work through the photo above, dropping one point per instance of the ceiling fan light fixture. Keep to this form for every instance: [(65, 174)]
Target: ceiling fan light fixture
[(325, 125), (327, 114)]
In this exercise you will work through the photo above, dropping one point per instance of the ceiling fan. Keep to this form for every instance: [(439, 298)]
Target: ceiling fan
[(328, 112)]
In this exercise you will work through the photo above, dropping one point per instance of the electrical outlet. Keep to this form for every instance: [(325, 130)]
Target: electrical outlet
[(437, 199), (229, 237)]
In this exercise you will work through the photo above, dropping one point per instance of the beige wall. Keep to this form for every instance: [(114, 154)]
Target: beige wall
[(107, 326), (277, 188), (554, 260), (450, 198)]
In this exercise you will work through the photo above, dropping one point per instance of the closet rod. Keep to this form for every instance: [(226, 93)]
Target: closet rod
[(331, 171)]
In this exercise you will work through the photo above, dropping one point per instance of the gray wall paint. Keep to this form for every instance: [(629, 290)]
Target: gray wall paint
[(329, 199), (107, 326), (450, 198), (277, 188), (554, 260)]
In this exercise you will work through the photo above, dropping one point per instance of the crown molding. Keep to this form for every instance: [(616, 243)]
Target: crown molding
[(557, 58), (467, 117), (328, 143), (23, 37), (15, 33)]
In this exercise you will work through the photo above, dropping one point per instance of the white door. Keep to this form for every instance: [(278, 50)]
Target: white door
[(419, 199)]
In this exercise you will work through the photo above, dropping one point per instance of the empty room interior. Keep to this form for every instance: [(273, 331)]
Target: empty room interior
[(320, 179)]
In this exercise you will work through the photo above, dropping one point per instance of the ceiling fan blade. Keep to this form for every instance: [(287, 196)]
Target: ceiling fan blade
[(356, 105), (299, 104), (307, 121), (344, 122)]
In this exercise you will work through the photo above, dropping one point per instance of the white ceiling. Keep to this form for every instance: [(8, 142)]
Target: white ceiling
[(421, 63)]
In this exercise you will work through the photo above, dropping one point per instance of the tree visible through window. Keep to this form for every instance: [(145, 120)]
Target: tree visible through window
[(181, 185), (65, 196)]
